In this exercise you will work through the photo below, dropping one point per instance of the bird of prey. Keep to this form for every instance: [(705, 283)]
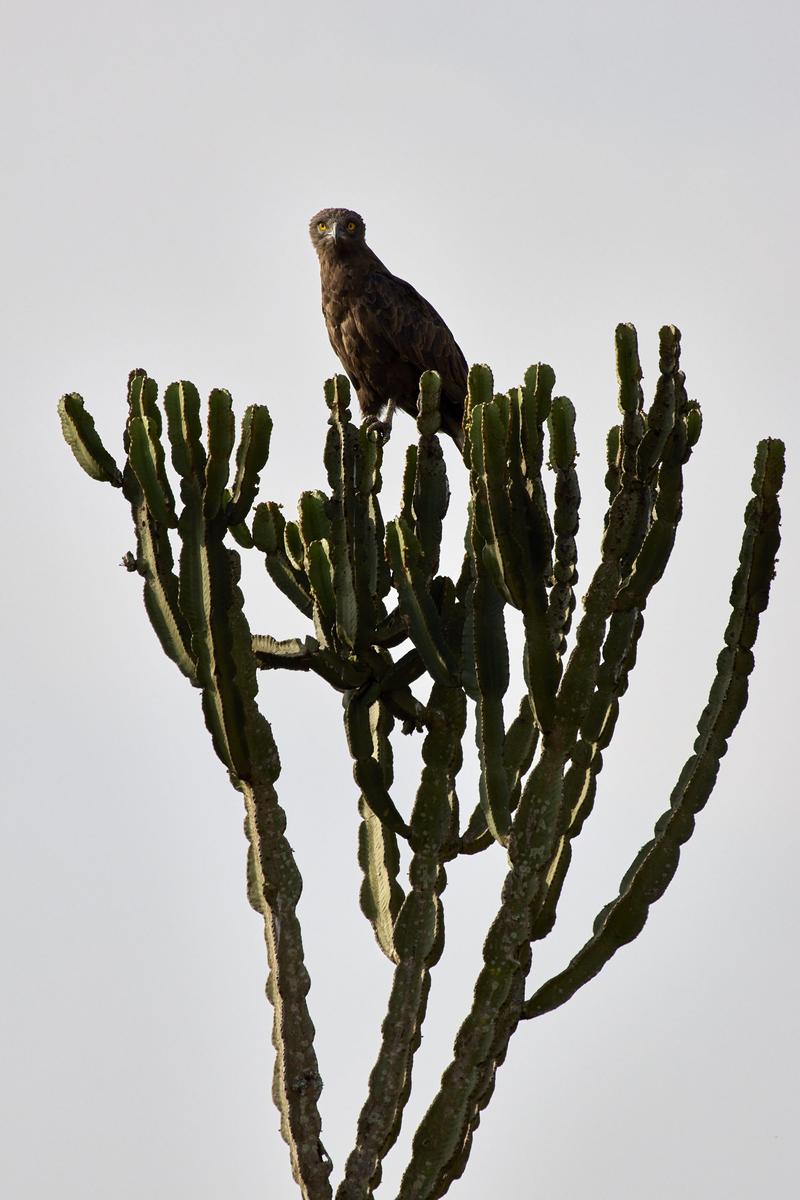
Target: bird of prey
[(382, 331)]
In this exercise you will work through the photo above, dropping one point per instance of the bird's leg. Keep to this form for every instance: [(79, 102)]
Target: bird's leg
[(382, 426)]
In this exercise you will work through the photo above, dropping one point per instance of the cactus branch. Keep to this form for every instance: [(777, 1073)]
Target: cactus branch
[(417, 943), (653, 868)]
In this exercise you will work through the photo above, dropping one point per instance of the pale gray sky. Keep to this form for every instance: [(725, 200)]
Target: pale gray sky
[(540, 172)]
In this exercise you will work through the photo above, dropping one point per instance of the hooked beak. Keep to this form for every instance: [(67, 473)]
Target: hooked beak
[(334, 233)]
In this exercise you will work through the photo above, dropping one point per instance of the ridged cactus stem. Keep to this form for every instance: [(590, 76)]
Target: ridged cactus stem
[(154, 562), (275, 887), (619, 652), (505, 1026), (630, 400), (418, 939), (381, 894), (533, 842), (199, 618), (627, 522), (586, 760), (563, 452), (482, 1040), (653, 868), (390, 1079)]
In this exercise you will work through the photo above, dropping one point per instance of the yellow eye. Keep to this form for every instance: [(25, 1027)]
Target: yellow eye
[(351, 226), (322, 226)]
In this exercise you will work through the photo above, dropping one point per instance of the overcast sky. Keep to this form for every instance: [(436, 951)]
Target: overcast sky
[(540, 172)]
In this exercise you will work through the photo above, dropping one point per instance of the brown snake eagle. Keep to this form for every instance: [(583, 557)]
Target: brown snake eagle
[(382, 331)]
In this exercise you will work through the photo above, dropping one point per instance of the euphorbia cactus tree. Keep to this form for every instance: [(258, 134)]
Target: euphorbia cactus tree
[(410, 649)]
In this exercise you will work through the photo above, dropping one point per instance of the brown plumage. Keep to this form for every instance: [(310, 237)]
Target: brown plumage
[(383, 332)]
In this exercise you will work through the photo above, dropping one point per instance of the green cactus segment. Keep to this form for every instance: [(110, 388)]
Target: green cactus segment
[(613, 460), (378, 856), (381, 894), (630, 400), (519, 748), (347, 608), (320, 576), (630, 515), (208, 593), (353, 462), (152, 508), (143, 398), (542, 667), (274, 888), (661, 414), (337, 398), (182, 404), (369, 760), (314, 521), (431, 492), (275, 885), (376, 575), (534, 400), (508, 1019), (240, 533), (480, 390), (285, 649), (408, 485), (145, 449), (653, 868), (294, 545), (406, 559), (629, 370), (251, 458), (204, 596), (586, 761), (653, 555), (475, 838), (306, 654), (418, 939), (561, 427), (268, 535), (211, 610), (429, 419), (483, 1037), (563, 451), (540, 379), (155, 563), (491, 670), (694, 423), (206, 607), (389, 1082), (371, 575), (624, 630), (144, 452), (212, 604), (512, 537), (221, 438), (344, 504), (84, 441), (672, 415), (493, 458), (433, 816)]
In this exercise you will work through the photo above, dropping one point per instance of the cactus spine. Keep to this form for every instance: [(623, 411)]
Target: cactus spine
[(382, 617)]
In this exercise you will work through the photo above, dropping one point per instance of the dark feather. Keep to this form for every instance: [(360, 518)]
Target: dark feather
[(383, 332)]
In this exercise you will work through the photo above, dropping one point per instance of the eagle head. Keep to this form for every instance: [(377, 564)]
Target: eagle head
[(336, 231)]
